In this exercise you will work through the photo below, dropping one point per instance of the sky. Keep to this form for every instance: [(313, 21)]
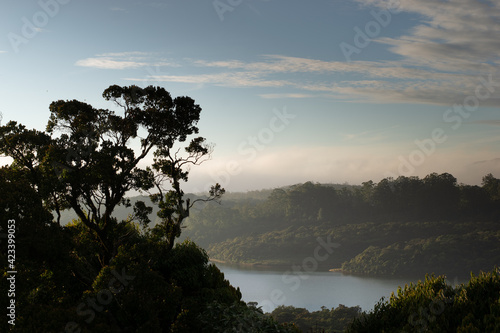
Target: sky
[(338, 91)]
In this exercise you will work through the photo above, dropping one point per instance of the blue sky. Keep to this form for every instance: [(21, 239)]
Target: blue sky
[(328, 91)]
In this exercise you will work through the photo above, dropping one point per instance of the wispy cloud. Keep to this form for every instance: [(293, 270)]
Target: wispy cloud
[(442, 58), (107, 63), (452, 49), (454, 32), (375, 81), (372, 81), (236, 79), (289, 95), (123, 60)]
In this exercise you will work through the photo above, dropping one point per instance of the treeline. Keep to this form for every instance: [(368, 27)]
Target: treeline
[(402, 226), (434, 197), (335, 320)]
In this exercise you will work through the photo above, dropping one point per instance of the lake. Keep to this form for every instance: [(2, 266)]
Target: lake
[(270, 288)]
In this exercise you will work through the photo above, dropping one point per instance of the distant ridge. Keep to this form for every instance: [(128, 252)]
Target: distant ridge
[(122, 212)]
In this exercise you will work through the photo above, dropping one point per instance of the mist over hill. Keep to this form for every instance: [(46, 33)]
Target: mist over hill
[(122, 212), (403, 226)]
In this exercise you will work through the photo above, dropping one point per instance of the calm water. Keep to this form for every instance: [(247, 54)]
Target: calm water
[(311, 290)]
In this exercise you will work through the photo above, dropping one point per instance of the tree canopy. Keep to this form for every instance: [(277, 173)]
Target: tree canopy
[(85, 160)]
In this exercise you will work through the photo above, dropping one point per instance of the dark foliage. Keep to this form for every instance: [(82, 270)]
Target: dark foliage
[(433, 306), (332, 321)]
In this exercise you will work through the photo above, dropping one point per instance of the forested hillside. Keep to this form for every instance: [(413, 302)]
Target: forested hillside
[(402, 226)]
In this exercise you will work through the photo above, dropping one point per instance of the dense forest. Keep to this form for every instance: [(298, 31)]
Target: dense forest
[(404, 226)]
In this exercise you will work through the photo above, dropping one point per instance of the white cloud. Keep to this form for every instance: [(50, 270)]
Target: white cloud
[(123, 60), (108, 63), (129, 54), (237, 79)]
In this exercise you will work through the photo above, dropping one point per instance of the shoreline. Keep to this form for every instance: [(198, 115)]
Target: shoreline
[(246, 264), (281, 267), (271, 266)]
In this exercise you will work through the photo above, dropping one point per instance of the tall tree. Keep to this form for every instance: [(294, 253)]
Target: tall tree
[(85, 160), (492, 186), (441, 195)]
